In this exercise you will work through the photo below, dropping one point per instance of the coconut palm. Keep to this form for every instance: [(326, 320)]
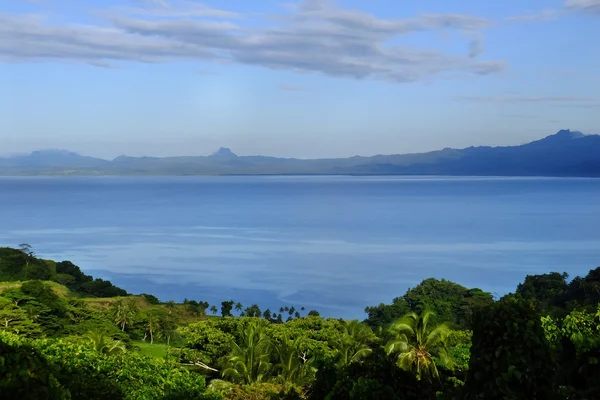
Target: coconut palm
[(416, 344), (124, 312), (294, 365), (213, 309), (152, 325), (239, 307), (354, 344), (248, 361), (102, 345)]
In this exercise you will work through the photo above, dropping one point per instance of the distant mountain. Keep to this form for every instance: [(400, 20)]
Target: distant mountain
[(566, 153)]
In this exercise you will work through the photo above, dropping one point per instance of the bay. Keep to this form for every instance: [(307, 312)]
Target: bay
[(335, 244)]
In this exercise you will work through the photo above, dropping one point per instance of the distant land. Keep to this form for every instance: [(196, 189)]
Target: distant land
[(566, 153)]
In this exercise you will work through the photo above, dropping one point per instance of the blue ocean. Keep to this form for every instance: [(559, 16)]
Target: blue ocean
[(334, 244)]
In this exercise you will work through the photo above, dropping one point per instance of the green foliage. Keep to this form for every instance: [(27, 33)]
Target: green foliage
[(226, 307), (103, 345), (450, 302), (25, 374), (459, 349), (294, 365), (124, 312), (354, 343), (255, 391), (210, 341), (21, 264), (576, 340), (375, 377), (510, 356), (90, 374), (151, 299), (249, 360), (417, 343)]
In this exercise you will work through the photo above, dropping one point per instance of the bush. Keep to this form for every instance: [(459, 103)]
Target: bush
[(510, 356), (25, 374)]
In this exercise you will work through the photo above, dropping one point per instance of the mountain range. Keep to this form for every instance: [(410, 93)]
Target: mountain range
[(566, 153)]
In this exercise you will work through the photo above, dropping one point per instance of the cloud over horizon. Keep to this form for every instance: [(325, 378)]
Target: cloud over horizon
[(315, 36)]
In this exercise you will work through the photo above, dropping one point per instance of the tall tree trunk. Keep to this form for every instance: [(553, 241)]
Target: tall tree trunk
[(123, 326), (151, 338)]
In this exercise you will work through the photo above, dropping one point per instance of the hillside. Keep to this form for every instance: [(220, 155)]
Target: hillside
[(566, 153)]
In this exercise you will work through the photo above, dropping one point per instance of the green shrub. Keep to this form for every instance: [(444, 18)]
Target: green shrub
[(510, 356)]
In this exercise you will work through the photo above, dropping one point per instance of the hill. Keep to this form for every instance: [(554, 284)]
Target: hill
[(566, 153)]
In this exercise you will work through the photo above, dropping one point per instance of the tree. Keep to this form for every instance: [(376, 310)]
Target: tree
[(123, 312), (202, 306), (267, 314), (416, 343), (213, 309), (313, 313), (239, 307), (152, 325), (248, 361), (292, 310), (226, 307), (297, 315), (510, 356), (355, 342), (253, 311), (294, 367), (26, 249), (167, 327)]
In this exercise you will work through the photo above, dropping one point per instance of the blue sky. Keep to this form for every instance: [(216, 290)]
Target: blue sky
[(313, 78)]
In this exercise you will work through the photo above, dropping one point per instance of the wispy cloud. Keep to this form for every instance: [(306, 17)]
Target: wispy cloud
[(590, 7), (543, 15), (314, 36), (291, 88), (585, 6), (527, 99)]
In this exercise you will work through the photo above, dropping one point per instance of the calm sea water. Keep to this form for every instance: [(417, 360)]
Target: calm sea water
[(336, 244)]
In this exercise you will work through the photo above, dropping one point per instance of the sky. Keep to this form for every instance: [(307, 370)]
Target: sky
[(307, 79)]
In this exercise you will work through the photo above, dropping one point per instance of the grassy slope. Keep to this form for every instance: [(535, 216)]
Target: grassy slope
[(59, 289)]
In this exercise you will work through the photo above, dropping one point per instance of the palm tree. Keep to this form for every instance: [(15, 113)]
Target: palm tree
[(239, 307), (213, 309), (104, 346), (248, 361), (123, 312), (353, 345), (417, 344), (152, 325), (294, 365)]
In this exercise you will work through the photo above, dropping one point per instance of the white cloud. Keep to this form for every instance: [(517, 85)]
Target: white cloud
[(315, 36)]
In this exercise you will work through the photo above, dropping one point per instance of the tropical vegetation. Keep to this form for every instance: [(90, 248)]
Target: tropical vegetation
[(66, 335)]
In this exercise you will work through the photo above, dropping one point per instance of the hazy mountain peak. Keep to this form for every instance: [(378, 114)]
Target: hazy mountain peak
[(567, 134), (224, 152), (53, 153)]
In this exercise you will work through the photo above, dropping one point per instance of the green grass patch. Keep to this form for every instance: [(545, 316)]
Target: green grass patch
[(156, 350)]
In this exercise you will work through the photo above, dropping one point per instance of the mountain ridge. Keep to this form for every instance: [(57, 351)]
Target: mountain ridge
[(565, 153)]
